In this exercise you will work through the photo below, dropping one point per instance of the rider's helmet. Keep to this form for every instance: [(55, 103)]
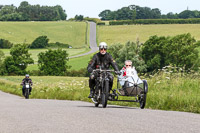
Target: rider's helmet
[(27, 75), (104, 46)]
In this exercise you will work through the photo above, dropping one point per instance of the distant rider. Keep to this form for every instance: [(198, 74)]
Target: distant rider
[(101, 60), (24, 81)]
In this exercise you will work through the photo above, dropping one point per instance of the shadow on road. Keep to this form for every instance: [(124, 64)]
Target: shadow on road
[(109, 106)]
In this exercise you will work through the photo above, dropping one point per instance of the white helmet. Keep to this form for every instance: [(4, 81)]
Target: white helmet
[(103, 45)]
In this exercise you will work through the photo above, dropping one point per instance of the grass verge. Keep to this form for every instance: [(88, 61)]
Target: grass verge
[(166, 91)]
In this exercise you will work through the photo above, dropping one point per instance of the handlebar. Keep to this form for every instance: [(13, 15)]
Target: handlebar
[(100, 70)]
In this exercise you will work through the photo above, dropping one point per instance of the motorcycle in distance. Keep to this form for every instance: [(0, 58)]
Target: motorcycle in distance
[(27, 90), (101, 93)]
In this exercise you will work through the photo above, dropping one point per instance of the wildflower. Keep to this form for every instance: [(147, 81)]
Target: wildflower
[(158, 82), (168, 78)]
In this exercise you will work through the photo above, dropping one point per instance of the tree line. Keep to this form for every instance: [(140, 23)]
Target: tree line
[(27, 12), (133, 12)]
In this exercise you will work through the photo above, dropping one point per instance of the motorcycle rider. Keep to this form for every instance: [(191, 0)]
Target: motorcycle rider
[(103, 60), (24, 81)]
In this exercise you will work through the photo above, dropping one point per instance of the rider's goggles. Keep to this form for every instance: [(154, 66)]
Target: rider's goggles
[(103, 48)]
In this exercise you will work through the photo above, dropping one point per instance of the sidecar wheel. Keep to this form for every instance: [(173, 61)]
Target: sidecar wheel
[(142, 101)]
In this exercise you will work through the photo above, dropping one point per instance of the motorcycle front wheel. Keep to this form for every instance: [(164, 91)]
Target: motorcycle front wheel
[(105, 94), (27, 93)]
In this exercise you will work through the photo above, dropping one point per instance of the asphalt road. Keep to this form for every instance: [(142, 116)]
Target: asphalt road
[(93, 44), (19, 115)]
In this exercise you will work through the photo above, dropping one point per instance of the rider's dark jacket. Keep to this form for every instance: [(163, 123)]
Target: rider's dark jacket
[(26, 80), (103, 61)]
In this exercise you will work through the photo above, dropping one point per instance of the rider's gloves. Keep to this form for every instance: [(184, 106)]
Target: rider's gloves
[(118, 72)]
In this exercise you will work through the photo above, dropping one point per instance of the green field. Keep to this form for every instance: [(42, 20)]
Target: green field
[(80, 62), (34, 52), (83, 61), (125, 33), (167, 91), (72, 33), (75, 63)]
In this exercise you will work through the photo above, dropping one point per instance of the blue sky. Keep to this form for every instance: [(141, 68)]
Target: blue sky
[(92, 8)]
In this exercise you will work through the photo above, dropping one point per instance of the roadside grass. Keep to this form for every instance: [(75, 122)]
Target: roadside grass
[(124, 33), (72, 33), (177, 92)]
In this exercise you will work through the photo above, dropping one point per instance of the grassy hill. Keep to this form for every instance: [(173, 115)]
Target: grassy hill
[(72, 33), (125, 33)]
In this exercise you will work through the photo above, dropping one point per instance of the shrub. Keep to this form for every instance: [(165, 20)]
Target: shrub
[(101, 23), (5, 44), (40, 42), (53, 62), (58, 45)]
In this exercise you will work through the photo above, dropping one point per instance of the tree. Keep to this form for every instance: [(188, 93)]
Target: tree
[(79, 17), (53, 62), (18, 61), (179, 51), (40, 42), (186, 14), (104, 15)]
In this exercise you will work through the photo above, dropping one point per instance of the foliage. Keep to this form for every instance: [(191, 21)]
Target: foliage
[(40, 42), (58, 45), (101, 23), (27, 12), (130, 13), (1, 62), (133, 12), (96, 20), (5, 44), (17, 63), (53, 62), (156, 21), (79, 17), (179, 51), (129, 51)]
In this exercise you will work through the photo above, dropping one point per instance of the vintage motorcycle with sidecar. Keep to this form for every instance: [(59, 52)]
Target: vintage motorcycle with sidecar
[(127, 86)]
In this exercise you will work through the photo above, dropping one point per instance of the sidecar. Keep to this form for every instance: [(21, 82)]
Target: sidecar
[(131, 86)]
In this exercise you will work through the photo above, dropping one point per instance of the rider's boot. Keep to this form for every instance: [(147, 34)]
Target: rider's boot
[(23, 92), (30, 91), (91, 93)]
